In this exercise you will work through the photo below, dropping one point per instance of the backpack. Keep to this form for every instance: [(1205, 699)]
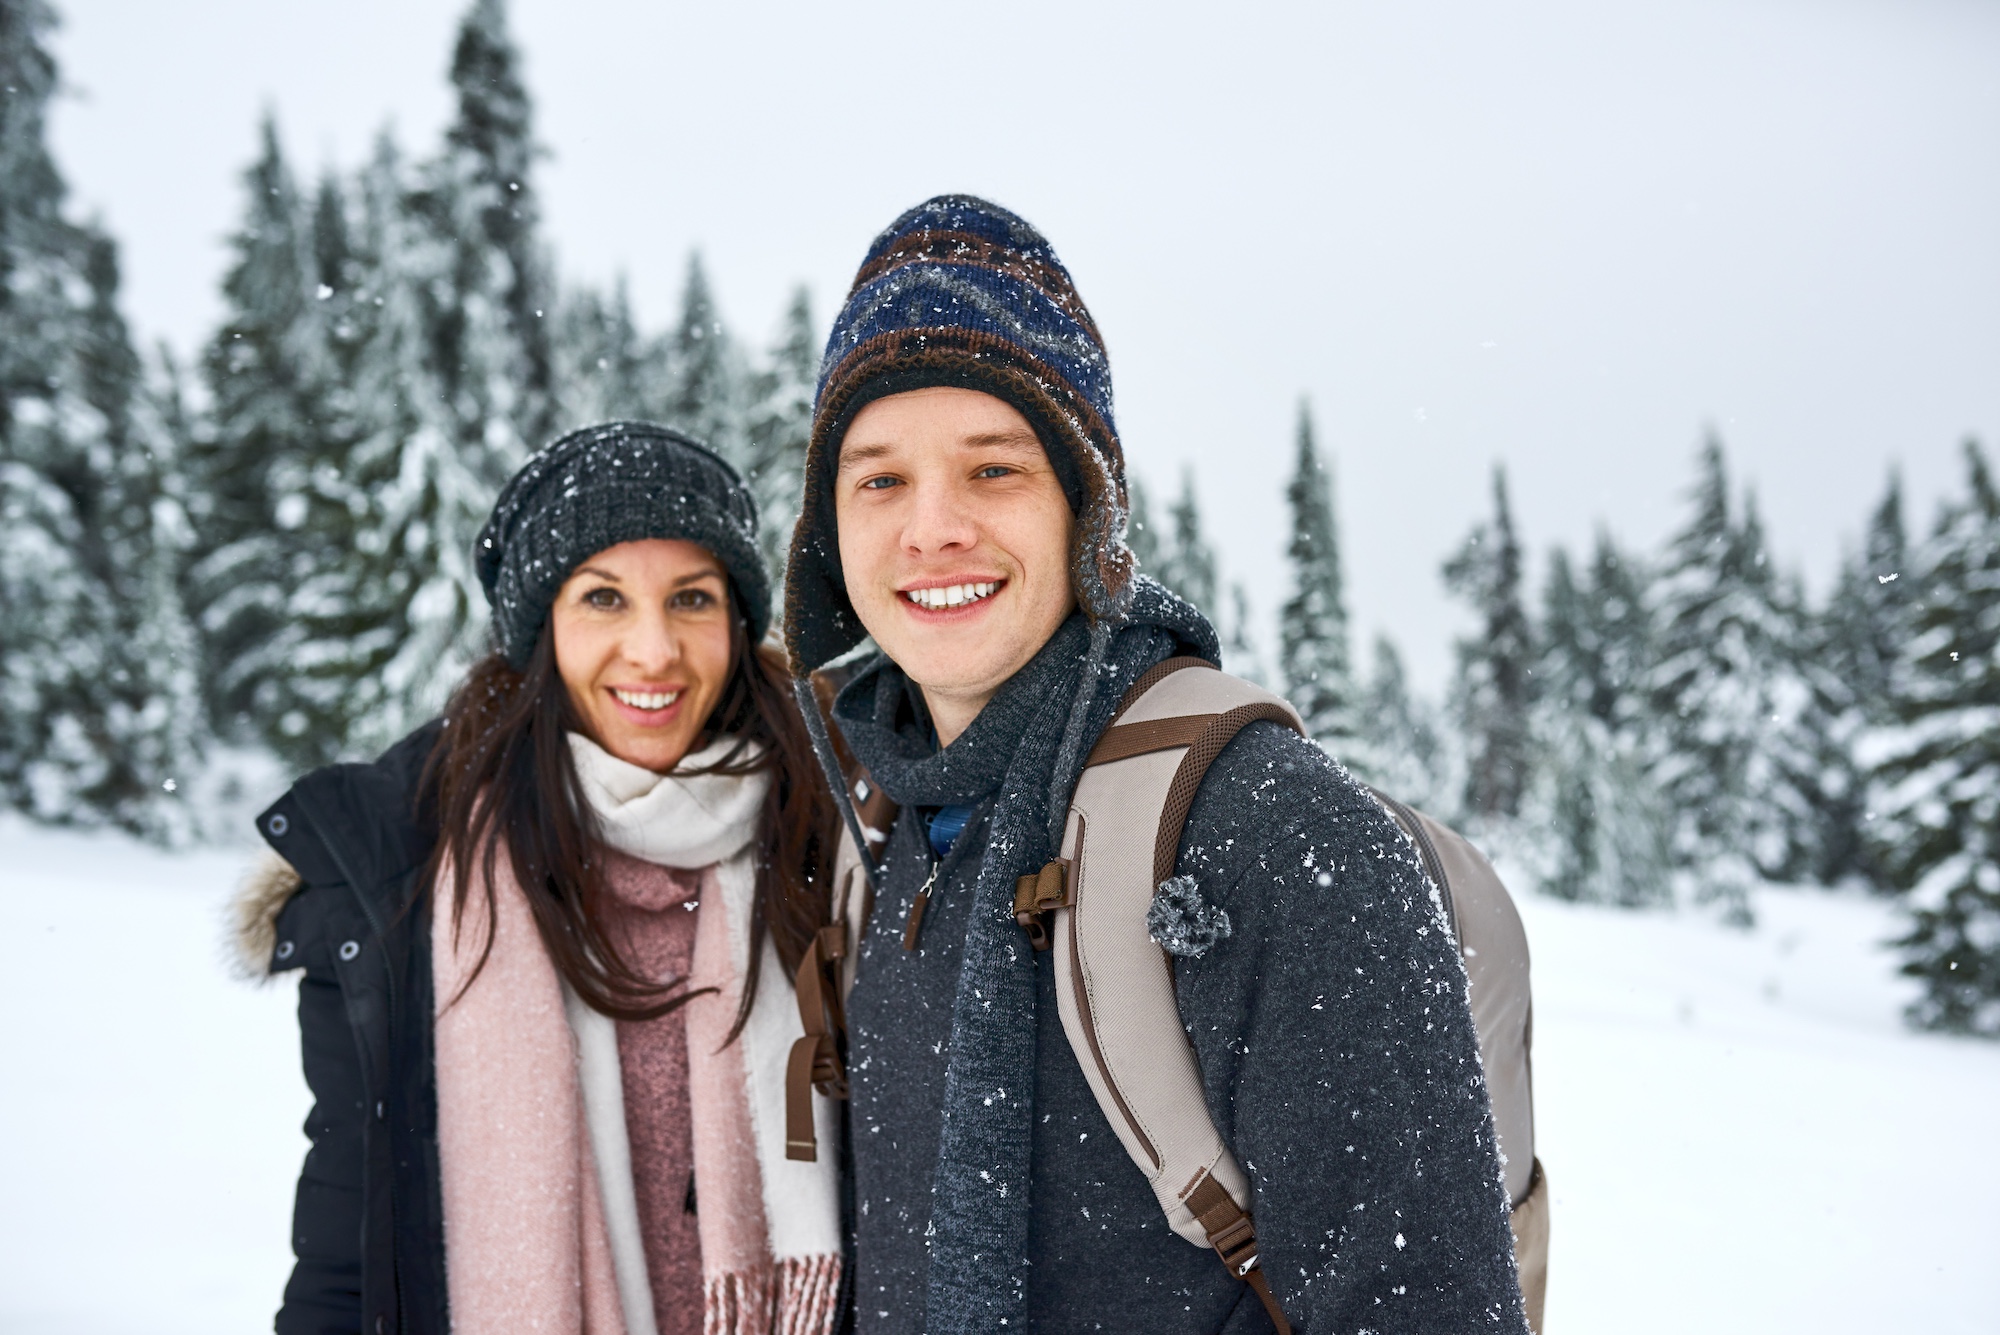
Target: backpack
[(1087, 907)]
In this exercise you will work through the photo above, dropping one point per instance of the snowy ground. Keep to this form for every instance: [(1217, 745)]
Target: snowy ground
[(1738, 1133), (1740, 1136)]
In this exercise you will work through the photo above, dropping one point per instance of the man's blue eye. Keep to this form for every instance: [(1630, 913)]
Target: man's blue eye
[(879, 483), (995, 470)]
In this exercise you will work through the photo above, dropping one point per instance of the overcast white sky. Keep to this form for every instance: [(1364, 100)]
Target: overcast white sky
[(1561, 234)]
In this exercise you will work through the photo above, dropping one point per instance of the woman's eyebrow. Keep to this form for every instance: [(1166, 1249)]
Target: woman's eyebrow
[(713, 572), (600, 572)]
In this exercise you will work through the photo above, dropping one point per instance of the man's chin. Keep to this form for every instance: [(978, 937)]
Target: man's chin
[(959, 660)]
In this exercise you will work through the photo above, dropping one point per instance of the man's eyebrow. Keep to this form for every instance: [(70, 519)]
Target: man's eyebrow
[(855, 455), (1015, 437)]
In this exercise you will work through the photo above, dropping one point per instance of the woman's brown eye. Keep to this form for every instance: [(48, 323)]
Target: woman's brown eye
[(602, 599)]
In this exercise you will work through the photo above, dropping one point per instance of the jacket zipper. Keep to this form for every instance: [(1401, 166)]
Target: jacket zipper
[(381, 930)]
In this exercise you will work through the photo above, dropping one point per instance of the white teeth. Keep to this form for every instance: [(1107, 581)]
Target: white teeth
[(646, 699), (952, 595)]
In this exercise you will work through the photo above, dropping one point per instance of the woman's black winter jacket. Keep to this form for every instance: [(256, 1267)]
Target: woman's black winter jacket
[(368, 1224)]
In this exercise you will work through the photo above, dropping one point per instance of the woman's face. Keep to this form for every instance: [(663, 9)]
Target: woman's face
[(642, 640)]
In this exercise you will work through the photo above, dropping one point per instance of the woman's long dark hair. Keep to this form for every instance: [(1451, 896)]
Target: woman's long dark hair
[(502, 773)]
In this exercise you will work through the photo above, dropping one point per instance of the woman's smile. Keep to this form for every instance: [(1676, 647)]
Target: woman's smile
[(644, 644)]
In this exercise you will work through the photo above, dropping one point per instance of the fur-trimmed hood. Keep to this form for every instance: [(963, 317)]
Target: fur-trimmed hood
[(267, 886), (352, 824)]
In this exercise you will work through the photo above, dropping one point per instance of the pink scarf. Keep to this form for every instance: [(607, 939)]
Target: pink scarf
[(558, 1131)]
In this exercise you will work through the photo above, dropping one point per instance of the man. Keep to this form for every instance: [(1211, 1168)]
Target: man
[(965, 507)]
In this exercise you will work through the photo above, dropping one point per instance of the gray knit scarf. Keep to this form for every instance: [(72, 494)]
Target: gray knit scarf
[(1025, 750)]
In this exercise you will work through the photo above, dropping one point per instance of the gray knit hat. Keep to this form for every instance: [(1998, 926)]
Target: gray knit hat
[(602, 485)]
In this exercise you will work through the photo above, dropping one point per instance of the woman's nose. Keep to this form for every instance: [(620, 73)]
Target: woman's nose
[(652, 643)]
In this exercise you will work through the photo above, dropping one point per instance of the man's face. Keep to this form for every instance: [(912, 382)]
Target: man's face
[(955, 539)]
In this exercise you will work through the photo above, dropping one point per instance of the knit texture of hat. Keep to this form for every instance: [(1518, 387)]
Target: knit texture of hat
[(600, 486), (961, 292)]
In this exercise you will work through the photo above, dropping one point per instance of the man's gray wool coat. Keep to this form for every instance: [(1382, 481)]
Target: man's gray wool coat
[(1331, 1028)]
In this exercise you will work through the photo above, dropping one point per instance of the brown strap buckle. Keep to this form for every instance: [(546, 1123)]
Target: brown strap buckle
[(1038, 895), (1234, 1237), (1236, 1243), (815, 1061)]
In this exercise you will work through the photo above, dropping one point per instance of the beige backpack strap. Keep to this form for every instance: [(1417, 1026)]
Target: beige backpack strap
[(1114, 985)]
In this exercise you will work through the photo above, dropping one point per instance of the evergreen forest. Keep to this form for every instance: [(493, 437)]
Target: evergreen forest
[(259, 561)]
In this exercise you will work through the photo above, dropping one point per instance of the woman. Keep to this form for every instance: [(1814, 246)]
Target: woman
[(547, 942)]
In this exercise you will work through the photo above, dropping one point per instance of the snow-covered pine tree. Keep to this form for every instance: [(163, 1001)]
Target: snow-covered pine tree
[(1598, 640), (1606, 834), (1495, 675), (366, 495), (267, 386), (156, 721), (482, 276), (1312, 627), (1187, 563), (1399, 749), (606, 369), (459, 348), (705, 378), (1140, 534), (1564, 736), (1240, 654), (1724, 630), (1845, 678), (777, 430), (1874, 610), (389, 622), (1940, 835), (98, 716), (487, 173)]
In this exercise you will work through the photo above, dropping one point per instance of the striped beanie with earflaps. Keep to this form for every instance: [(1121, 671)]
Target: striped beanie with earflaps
[(961, 292)]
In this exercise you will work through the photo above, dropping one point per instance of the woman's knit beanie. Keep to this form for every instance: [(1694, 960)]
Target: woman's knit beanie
[(599, 486), (963, 293)]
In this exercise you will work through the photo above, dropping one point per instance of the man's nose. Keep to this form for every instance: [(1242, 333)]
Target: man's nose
[(940, 519)]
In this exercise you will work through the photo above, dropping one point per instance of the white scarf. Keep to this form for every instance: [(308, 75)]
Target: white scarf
[(691, 821)]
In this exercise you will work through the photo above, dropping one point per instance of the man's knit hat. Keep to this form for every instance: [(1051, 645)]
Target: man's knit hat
[(599, 486), (961, 292)]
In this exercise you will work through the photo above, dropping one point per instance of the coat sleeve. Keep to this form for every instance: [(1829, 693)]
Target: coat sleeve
[(1338, 1052), (323, 1296)]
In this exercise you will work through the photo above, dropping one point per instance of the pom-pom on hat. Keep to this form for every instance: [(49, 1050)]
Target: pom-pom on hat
[(600, 486), (961, 292)]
